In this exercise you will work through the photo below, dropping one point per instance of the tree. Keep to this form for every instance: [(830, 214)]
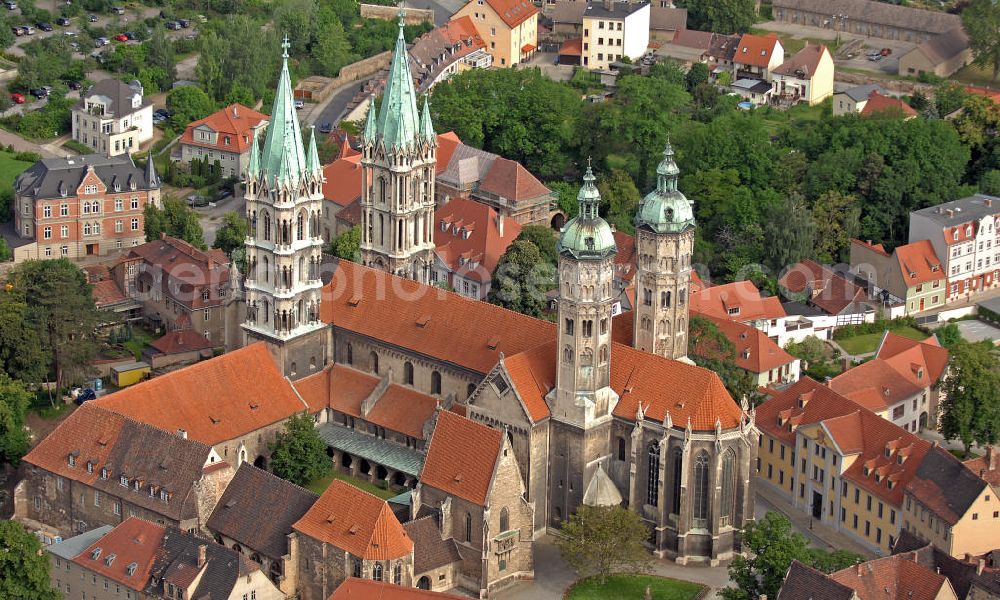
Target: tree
[(232, 233), (175, 219), (949, 335), (981, 20), (696, 75), (332, 50), (711, 349), (602, 540), (622, 198), (520, 279), (836, 219), (810, 349), (60, 306), (790, 231), (188, 103), (21, 351), (544, 239), (14, 401), (348, 244), (24, 565), (721, 16), (298, 454), (970, 411), (772, 546)]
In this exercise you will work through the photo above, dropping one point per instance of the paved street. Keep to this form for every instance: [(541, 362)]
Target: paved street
[(333, 110), (210, 217)]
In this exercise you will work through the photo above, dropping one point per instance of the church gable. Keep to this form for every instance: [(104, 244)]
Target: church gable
[(497, 400)]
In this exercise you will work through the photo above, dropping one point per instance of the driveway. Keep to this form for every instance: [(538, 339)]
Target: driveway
[(210, 217)]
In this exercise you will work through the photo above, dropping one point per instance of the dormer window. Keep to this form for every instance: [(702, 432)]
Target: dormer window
[(130, 570), (163, 495), (888, 452), (955, 235), (968, 230), (72, 460), (891, 484), (746, 354), (900, 459), (95, 554), (867, 471), (204, 295), (226, 140), (138, 484), (123, 480), (104, 473), (152, 492), (90, 467)]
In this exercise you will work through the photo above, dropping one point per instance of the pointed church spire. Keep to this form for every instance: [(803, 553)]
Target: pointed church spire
[(152, 179), (370, 125), (312, 161), (253, 169), (589, 197), (283, 155), (398, 118), (426, 127)]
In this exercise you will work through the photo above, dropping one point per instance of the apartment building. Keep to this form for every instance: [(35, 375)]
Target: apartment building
[(225, 136), (509, 28), (113, 118), (910, 276), (612, 30)]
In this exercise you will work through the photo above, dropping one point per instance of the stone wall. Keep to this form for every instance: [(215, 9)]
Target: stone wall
[(412, 16), (509, 555), (322, 567)]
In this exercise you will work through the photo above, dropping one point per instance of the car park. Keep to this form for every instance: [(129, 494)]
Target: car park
[(17, 31), (44, 26), (63, 21), (17, 98), (69, 33)]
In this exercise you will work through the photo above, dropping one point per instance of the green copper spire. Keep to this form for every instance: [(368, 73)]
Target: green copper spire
[(370, 125), (587, 235), (312, 161), (426, 127), (398, 121), (665, 209), (283, 157), (253, 169)]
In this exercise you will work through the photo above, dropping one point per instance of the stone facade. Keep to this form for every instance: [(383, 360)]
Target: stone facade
[(663, 282), (322, 567)]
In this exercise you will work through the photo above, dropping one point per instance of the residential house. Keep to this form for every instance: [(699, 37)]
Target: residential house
[(805, 77), (899, 383), (666, 20), (508, 27), (756, 353), (236, 522), (451, 48), (225, 137), (756, 91), (972, 577), (853, 100), (82, 206), (358, 589), (757, 56), (179, 346), (110, 289), (987, 466), (215, 403), (837, 461), (472, 478), (182, 287), (99, 468), (112, 117), (612, 30), (837, 300), (952, 507), (965, 234), (721, 54), (868, 18), (911, 277), (469, 240), (884, 106), (741, 301), (138, 559), (940, 55), (897, 577), (350, 533)]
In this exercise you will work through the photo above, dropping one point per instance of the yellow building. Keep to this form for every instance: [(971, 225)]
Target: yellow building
[(508, 27), (952, 507), (805, 77), (837, 461)]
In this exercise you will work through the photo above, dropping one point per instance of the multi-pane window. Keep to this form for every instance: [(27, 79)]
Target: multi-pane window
[(701, 490), (653, 475), (728, 495)]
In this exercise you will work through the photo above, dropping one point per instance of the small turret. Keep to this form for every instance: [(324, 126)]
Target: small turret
[(426, 127), (312, 160), (587, 235), (370, 125), (253, 168), (152, 179), (665, 209)]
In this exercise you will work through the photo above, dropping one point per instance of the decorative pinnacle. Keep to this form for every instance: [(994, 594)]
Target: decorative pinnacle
[(401, 14), (668, 150), (284, 47)]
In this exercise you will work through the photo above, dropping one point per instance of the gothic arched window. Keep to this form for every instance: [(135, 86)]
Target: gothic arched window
[(435, 382), (504, 520), (377, 572), (350, 354), (677, 464), (621, 448), (397, 574), (665, 299), (468, 527), (604, 354), (568, 354), (373, 362), (382, 190), (300, 227), (701, 476), (357, 568), (267, 227), (653, 475), (728, 497), (408, 373)]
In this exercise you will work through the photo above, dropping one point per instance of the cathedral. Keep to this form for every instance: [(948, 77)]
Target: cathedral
[(599, 408)]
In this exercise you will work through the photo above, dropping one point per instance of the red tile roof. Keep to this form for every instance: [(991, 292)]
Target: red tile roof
[(107, 292), (919, 263), (803, 64), (533, 374), (356, 522), (993, 95), (462, 458), (508, 179), (986, 466), (404, 410), (236, 121), (898, 577), (427, 319), (214, 400), (804, 402), (904, 355), (366, 589), (134, 541), (467, 237), (755, 352), (875, 384), (826, 289), (181, 340), (625, 258), (513, 12), (190, 271), (877, 103), (737, 301), (572, 47), (757, 50)]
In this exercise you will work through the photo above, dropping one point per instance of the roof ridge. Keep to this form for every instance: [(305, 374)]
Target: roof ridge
[(282, 479)]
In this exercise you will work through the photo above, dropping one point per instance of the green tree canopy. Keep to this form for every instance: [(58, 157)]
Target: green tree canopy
[(603, 540), (981, 20), (348, 245), (720, 16), (970, 411), (14, 401), (175, 219), (621, 198), (790, 232), (298, 454), (708, 347), (544, 239), (188, 103), (520, 279), (232, 233), (836, 219), (24, 565)]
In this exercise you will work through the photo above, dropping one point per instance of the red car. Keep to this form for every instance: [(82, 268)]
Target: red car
[(121, 37), (17, 98)]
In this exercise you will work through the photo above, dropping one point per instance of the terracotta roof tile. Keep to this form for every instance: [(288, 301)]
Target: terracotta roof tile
[(877, 103), (190, 271), (181, 340), (107, 292), (875, 384), (987, 466), (897, 577), (236, 121), (918, 263), (803, 64), (902, 353), (455, 329), (757, 50), (475, 256), (533, 374), (357, 522), (214, 400), (803, 582), (755, 352), (404, 410), (507, 178), (737, 301), (134, 541), (574, 46), (462, 457), (366, 589), (625, 260), (806, 399), (513, 12), (827, 290)]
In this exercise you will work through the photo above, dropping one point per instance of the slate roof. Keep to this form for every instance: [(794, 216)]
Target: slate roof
[(859, 93), (371, 448), (236, 121), (126, 448), (366, 589), (213, 400), (803, 582), (237, 515), (961, 574), (945, 46), (619, 10), (568, 11), (723, 47), (356, 522), (430, 550), (51, 177), (118, 92), (462, 458), (177, 562), (946, 486), (879, 13), (435, 51), (897, 577), (484, 245)]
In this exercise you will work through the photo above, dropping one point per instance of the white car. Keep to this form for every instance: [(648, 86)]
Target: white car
[(299, 105)]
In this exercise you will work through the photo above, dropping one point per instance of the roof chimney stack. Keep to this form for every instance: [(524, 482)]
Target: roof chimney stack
[(992, 458), (182, 433), (500, 224), (202, 551), (609, 4)]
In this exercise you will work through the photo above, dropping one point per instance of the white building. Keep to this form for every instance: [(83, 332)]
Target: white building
[(112, 117), (612, 30), (853, 100)]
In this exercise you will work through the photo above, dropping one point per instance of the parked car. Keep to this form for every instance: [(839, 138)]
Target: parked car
[(130, 35), (17, 98), (28, 29), (197, 200), (162, 112), (224, 194), (44, 26), (326, 127), (10, 5), (92, 18), (101, 41), (157, 119), (63, 21), (85, 395), (69, 33), (875, 57), (299, 105), (118, 10), (121, 37), (886, 51), (38, 93), (75, 85), (17, 31), (173, 25), (184, 23), (75, 46)]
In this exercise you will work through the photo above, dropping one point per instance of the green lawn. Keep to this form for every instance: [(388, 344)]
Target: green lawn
[(976, 75), (10, 168), (868, 342), (633, 586), (320, 485)]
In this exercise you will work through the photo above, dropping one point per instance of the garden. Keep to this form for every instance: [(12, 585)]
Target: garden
[(634, 586)]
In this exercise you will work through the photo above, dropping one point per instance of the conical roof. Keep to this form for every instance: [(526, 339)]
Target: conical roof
[(253, 168), (398, 122), (587, 235), (283, 157), (426, 127), (312, 160), (665, 209), (152, 179), (601, 491)]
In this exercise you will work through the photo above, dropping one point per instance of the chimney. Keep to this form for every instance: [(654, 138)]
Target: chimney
[(182, 433), (202, 550), (609, 4), (992, 460), (236, 111), (827, 380), (500, 224), (988, 202), (163, 235), (980, 564)]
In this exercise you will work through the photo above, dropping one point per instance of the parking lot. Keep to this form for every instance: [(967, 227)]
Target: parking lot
[(888, 64)]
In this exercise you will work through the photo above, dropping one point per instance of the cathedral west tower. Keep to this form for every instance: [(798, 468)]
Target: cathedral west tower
[(664, 232), (284, 201), (398, 162)]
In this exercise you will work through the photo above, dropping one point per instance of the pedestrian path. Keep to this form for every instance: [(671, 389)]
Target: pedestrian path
[(818, 533)]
